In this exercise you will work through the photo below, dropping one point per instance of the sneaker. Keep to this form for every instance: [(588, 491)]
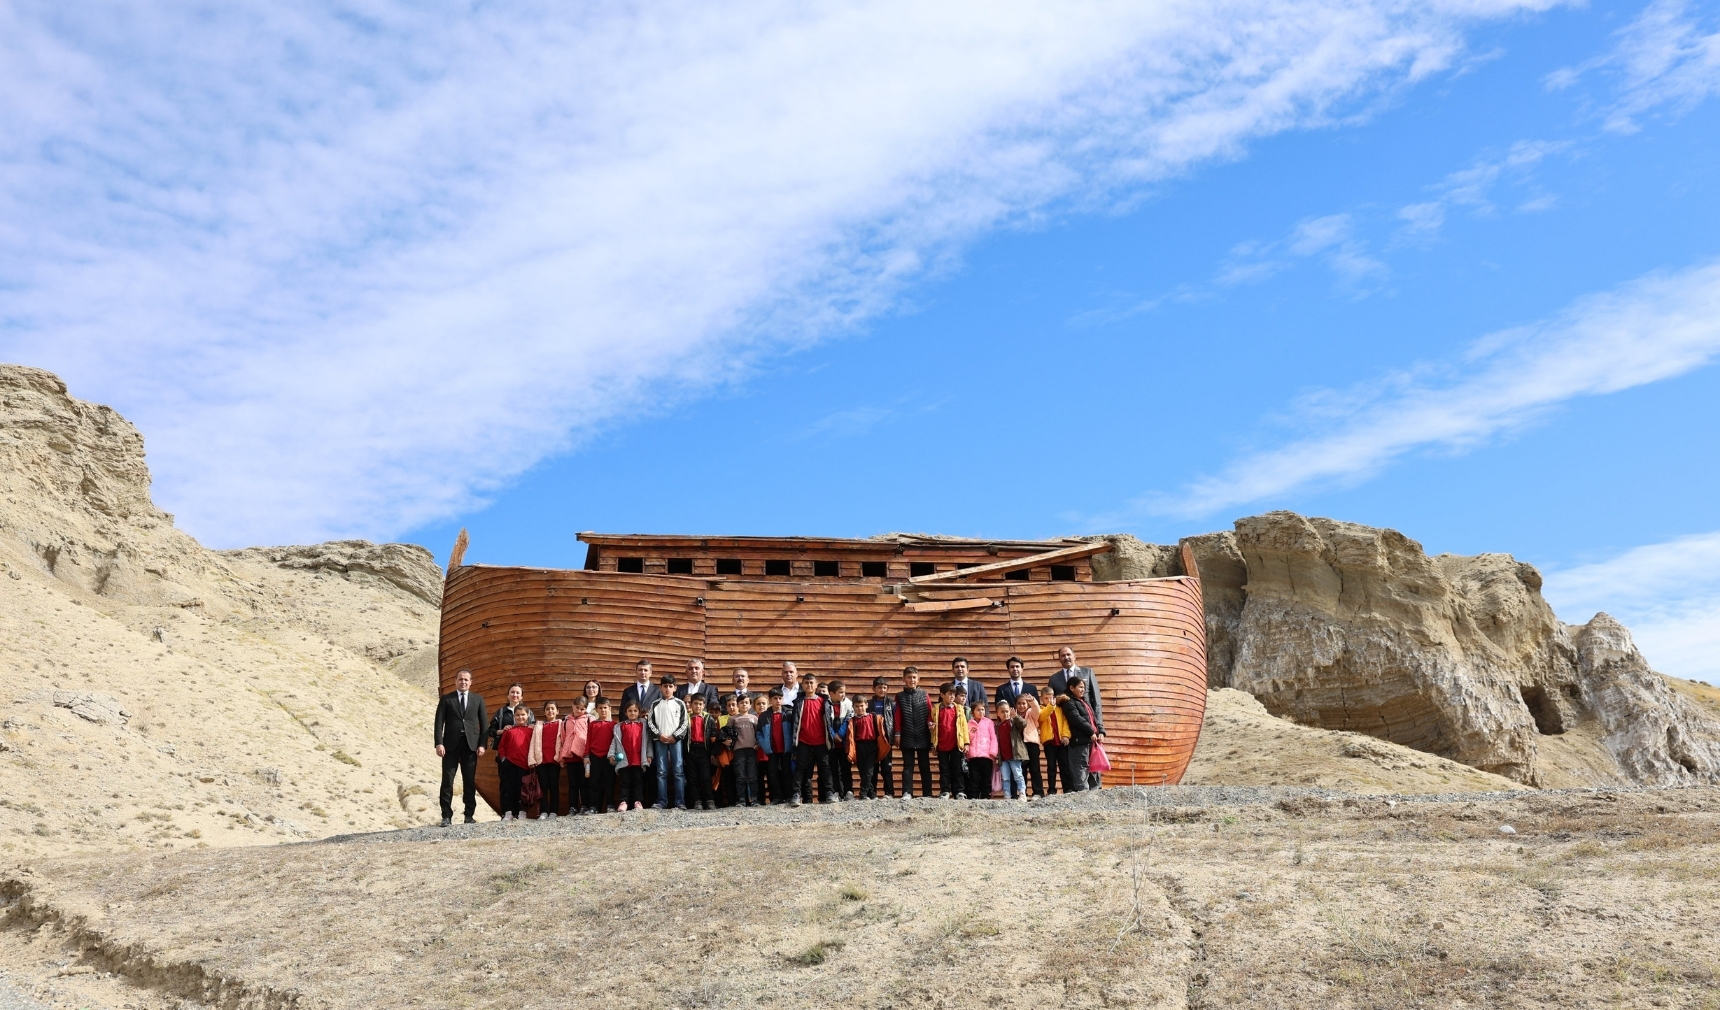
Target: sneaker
[(839, 798), (959, 796), (796, 801), (638, 806)]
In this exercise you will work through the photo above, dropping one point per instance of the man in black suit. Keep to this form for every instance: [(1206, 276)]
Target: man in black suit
[(1068, 671), (1015, 686), (647, 693), (697, 685), (959, 678), (643, 690), (459, 743)]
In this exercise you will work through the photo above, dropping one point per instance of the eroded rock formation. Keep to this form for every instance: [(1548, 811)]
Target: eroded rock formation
[(1351, 627)]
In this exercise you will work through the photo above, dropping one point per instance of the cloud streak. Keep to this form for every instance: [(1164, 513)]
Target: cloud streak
[(1655, 328), (1664, 59), (1667, 593), (353, 267)]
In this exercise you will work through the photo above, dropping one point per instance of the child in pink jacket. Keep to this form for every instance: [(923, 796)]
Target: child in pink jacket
[(981, 753)]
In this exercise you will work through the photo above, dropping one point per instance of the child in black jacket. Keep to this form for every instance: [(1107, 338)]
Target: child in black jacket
[(704, 740)]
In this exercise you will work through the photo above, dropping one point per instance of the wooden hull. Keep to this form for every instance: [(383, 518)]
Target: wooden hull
[(552, 630)]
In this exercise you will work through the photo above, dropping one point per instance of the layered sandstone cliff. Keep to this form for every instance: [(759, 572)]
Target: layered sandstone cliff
[(1349, 627)]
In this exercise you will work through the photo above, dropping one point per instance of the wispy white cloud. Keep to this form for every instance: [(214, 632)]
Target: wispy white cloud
[(1668, 594), (1331, 239), (1665, 59), (1654, 328), (1473, 187), (352, 267)]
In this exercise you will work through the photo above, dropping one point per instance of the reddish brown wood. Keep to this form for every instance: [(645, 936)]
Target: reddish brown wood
[(551, 630)]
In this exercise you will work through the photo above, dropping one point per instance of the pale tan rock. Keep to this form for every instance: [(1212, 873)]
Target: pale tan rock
[(161, 695), (1656, 734), (1349, 627)]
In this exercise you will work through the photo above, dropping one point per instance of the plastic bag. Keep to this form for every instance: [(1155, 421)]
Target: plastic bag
[(1097, 762)]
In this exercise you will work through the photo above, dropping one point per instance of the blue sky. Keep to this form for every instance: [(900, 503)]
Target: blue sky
[(388, 271)]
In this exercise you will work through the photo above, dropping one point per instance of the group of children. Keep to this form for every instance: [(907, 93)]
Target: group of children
[(757, 751)]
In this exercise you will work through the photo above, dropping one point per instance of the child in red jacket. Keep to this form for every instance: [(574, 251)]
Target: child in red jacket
[(599, 769), (549, 771), (631, 752), (514, 746)]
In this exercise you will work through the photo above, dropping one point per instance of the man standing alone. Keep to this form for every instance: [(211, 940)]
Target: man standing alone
[(459, 743), (913, 733)]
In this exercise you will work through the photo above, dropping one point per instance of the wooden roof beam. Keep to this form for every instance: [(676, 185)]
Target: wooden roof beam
[(1031, 561)]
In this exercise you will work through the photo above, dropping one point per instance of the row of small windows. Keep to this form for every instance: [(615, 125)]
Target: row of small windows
[(830, 569)]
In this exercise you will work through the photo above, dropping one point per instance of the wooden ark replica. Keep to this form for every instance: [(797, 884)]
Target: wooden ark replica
[(843, 609)]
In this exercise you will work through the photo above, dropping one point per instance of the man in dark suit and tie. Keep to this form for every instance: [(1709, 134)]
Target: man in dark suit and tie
[(959, 678), (643, 690), (459, 743), (1015, 686), (647, 693)]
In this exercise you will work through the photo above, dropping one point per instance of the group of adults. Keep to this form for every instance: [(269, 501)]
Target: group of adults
[(465, 730)]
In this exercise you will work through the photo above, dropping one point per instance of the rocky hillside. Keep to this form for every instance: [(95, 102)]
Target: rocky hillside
[(1349, 627), (160, 694)]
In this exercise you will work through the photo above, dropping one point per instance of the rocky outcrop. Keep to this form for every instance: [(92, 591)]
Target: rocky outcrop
[(76, 500), (1351, 627), (406, 566), (1656, 735)]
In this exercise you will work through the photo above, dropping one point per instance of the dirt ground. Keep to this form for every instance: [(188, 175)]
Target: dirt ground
[(1594, 899)]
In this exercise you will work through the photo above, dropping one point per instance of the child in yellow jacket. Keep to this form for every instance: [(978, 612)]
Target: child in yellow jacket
[(1054, 740)]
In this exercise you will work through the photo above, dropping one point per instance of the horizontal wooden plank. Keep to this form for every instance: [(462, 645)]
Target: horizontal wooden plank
[(1052, 557)]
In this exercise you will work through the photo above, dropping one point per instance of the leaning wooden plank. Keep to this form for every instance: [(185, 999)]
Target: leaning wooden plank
[(940, 606), (1031, 561)]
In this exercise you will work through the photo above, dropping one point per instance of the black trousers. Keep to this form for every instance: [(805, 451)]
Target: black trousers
[(1056, 766), (632, 784), (922, 755), (600, 785), (744, 774), (575, 786), (549, 779), (866, 756), (1033, 780), (843, 770), (887, 773), (1076, 778), (698, 772), (952, 772), (465, 759), (781, 774), (511, 775), (979, 778), (812, 756)]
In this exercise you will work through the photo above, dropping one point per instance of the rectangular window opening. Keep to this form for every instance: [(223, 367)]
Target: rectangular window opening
[(680, 566), (728, 566), (874, 570), (967, 564), (1062, 573), (776, 568), (634, 565), (1019, 575), (826, 569), (919, 568)]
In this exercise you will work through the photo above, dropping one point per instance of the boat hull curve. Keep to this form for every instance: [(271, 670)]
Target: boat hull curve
[(551, 630)]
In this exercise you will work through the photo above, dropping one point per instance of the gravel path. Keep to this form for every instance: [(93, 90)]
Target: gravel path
[(12, 999), (1103, 800)]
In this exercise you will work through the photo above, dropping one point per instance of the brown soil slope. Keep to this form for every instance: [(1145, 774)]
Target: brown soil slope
[(1592, 899)]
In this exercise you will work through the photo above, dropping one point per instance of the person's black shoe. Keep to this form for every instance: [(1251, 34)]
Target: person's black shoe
[(470, 819), (447, 821)]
